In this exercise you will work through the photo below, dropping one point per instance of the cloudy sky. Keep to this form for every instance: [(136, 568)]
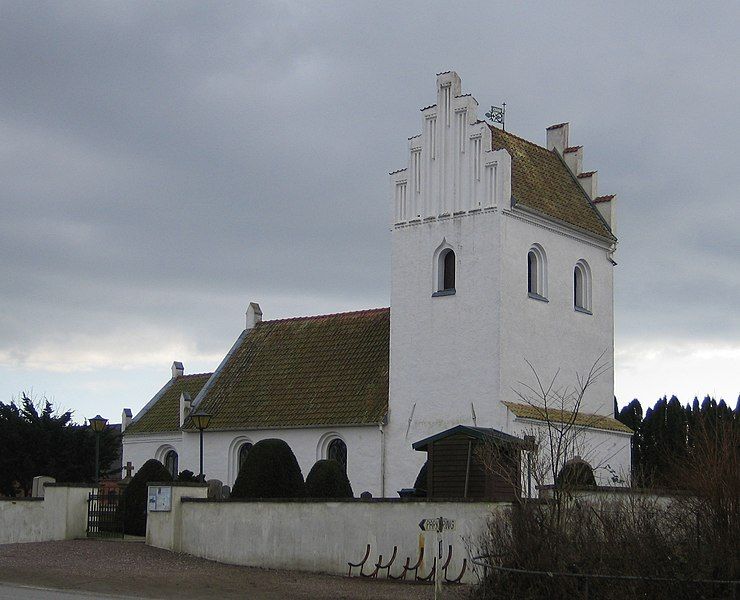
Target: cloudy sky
[(162, 164)]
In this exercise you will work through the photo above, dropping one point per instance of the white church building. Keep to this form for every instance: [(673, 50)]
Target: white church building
[(502, 257)]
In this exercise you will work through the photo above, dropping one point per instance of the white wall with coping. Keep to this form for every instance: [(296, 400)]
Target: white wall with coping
[(164, 529), (320, 536), (61, 515)]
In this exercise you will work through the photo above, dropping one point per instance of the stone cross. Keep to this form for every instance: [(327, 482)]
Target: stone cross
[(128, 468)]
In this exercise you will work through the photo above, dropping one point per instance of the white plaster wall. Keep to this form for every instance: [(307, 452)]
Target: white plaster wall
[(324, 536), (444, 350), (553, 335), (220, 450), (608, 452), (61, 515), (140, 448), (23, 521), (164, 529)]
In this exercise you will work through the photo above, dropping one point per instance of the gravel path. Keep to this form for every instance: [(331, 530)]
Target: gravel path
[(132, 568)]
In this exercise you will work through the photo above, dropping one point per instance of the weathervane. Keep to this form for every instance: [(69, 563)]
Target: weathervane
[(497, 114)]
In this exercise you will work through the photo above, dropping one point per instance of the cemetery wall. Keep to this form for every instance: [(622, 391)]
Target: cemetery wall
[(60, 515), (320, 536)]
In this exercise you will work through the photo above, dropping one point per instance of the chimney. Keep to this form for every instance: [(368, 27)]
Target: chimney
[(254, 315), (126, 419), (606, 205), (573, 157), (588, 183), (557, 137), (186, 403), (177, 369)]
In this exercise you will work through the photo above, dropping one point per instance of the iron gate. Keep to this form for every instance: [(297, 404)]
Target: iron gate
[(105, 514)]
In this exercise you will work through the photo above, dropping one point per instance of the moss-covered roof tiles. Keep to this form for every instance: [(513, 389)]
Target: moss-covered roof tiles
[(164, 413), (325, 370), (526, 411), (540, 180)]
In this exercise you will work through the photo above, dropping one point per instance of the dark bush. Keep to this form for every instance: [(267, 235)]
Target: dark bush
[(187, 476), (270, 471), (328, 479), (576, 473), (135, 496), (420, 485)]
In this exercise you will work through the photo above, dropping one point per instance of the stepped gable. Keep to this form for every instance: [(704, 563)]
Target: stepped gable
[(540, 180), (162, 414), (302, 372)]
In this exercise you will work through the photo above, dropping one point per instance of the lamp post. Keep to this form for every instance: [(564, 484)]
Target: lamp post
[(202, 420), (98, 424)]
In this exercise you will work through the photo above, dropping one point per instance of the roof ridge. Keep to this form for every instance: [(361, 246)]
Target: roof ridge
[(195, 375), (352, 313)]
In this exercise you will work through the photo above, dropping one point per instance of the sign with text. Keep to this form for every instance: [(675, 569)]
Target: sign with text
[(439, 524), (160, 498)]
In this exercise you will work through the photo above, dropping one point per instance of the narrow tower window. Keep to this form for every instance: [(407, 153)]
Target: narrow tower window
[(448, 280), (537, 273), (582, 287)]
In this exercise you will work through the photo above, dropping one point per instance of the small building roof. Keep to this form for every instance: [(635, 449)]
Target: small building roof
[(541, 181), (162, 413), (303, 372), (483, 434), (536, 413)]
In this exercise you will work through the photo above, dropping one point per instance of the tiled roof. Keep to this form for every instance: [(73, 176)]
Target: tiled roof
[(526, 411), (601, 199), (163, 413), (572, 149), (541, 181), (325, 370)]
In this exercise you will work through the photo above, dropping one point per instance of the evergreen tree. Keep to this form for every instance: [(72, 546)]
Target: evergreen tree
[(269, 471), (135, 495), (328, 479)]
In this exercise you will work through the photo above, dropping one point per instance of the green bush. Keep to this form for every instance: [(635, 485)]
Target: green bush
[(420, 485), (187, 476), (135, 496), (270, 471), (576, 473), (328, 479)]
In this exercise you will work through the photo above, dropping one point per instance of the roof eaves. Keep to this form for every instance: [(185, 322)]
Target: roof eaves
[(581, 230)]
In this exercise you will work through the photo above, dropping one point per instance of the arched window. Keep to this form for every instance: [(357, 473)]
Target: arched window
[(243, 452), (537, 273), (445, 273), (582, 287), (170, 463), (337, 450)]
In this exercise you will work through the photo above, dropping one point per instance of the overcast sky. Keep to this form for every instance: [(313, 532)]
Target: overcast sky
[(164, 163)]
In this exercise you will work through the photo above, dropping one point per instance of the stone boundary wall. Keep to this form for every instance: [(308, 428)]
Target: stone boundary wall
[(60, 515), (319, 535)]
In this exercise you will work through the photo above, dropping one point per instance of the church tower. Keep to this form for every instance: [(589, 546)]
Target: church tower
[(501, 255)]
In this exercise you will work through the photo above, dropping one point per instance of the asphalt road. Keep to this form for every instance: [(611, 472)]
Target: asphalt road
[(15, 592)]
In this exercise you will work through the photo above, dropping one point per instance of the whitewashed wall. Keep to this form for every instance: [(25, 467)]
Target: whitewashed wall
[(61, 515), (321, 536), (220, 451)]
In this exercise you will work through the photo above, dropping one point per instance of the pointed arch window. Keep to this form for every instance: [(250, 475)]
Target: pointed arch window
[(537, 273), (582, 287), (446, 266), (337, 450), (243, 453), (171, 463)]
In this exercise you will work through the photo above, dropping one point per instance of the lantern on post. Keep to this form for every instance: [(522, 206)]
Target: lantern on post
[(201, 420), (97, 423)]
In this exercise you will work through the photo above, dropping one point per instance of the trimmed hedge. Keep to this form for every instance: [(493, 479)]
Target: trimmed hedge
[(421, 485), (576, 473), (135, 496), (270, 471), (328, 479)]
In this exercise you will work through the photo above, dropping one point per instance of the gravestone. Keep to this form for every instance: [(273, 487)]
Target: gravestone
[(215, 489), (225, 492), (37, 490)]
